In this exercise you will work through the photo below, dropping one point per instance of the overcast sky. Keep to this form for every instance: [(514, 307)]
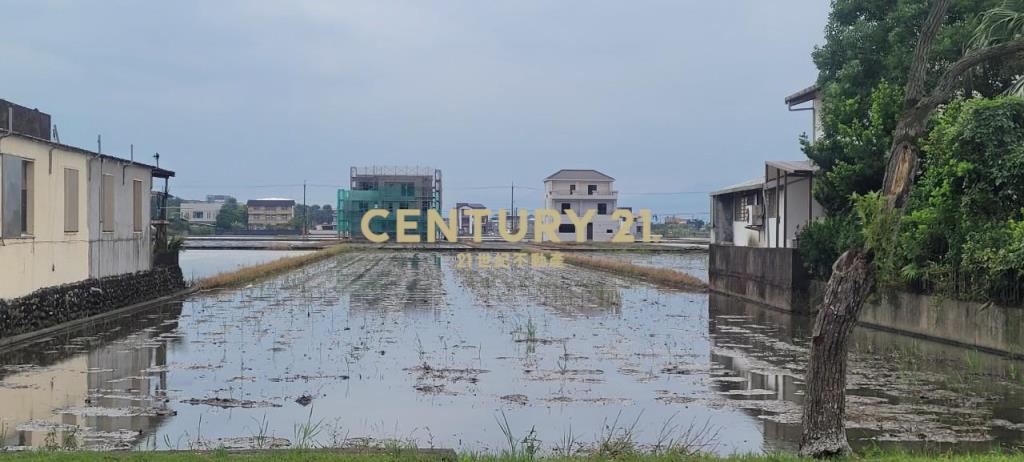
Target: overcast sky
[(251, 98)]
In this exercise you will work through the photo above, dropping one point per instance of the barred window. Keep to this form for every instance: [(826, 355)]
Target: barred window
[(740, 207)]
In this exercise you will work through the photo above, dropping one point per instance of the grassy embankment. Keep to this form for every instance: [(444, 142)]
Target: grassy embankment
[(271, 268), (314, 456), (665, 277)]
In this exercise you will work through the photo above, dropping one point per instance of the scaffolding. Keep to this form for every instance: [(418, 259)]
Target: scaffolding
[(391, 189)]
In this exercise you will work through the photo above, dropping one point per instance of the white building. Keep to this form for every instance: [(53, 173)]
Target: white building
[(201, 212), (769, 211), (580, 191), (69, 214)]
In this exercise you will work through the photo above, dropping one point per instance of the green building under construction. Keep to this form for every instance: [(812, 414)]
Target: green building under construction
[(391, 189)]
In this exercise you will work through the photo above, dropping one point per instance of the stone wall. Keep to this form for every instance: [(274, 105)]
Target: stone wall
[(51, 306), (773, 276)]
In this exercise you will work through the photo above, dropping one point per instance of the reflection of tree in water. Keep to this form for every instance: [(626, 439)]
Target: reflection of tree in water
[(112, 373), (896, 396), (566, 289)]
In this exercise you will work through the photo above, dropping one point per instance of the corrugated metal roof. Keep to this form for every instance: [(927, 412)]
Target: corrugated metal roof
[(793, 166), (749, 185), (579, 174)]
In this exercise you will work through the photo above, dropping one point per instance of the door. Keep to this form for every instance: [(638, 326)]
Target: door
[(590, 231)]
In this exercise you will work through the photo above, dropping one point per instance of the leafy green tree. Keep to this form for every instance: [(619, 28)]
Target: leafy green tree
[(232, 216), (958, 237), (863, 67)]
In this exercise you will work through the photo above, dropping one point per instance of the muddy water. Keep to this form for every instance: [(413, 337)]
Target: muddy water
[(408, 346)]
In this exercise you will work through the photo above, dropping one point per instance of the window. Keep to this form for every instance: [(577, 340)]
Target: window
[(572, 189), (70, 200), (602, 209), (137, 206), (591, 189), (566, 228), (107, 198), (740, 210), (565, 206), (771, 198), (17, 196)]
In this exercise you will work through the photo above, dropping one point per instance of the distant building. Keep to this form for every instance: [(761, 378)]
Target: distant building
[(270, 213), (67, 214), (468, 224), (391, 189), (580, 191), (201, 212)]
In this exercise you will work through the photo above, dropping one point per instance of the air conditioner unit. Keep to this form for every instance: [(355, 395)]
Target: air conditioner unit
[(755, 217)]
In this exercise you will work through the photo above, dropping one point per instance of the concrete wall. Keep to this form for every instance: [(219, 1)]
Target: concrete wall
[(49, 256), (123, 250), (774, 277), (991, 327)]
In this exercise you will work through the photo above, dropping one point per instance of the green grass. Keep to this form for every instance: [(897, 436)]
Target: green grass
[(409, 455)]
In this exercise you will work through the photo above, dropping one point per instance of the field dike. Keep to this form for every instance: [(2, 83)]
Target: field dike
[(265, 270), (664, 277)]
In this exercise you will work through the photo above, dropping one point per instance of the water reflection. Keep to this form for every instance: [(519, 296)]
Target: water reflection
[(104, 382), (406, 345), (903, 391)]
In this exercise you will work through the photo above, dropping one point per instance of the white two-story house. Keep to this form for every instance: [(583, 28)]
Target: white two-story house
[(580, 191)]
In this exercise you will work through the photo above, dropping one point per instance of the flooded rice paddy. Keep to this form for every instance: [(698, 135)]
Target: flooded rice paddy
[(376, 347)]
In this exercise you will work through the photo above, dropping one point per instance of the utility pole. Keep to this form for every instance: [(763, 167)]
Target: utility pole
[(512, 209), (305, 211)]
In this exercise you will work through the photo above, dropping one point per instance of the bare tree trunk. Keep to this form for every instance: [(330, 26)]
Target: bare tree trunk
[(824, 429)]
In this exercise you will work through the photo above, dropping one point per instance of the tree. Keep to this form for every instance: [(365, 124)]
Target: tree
[(863, 67), (853, 274), (232, 216)]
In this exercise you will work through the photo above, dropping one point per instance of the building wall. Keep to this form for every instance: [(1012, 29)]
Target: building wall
[(51, 256), (726, 229), (123, 250), (557, 193), (263, 217), (563, 186), (207, 211), (795, 196)]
